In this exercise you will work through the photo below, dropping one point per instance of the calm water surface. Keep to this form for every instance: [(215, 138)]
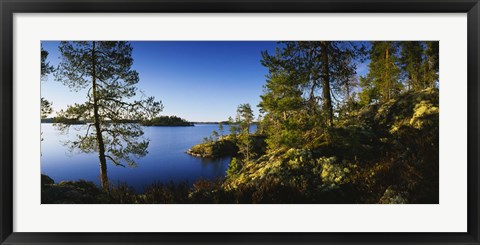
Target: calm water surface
[(166, 160)]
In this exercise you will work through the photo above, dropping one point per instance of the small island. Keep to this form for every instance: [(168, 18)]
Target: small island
[(167, 121)]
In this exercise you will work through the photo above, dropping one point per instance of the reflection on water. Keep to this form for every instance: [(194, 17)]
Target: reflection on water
[(165, 162)]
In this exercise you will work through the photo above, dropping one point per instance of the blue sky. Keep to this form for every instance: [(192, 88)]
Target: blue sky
[(195, 80)]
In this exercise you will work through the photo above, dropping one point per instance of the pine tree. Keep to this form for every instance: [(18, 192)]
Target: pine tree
[(305, 79), (221, 129), (104, 70), (245, 120), (370, 93), (245, 116), (411, 63), (283, 104), (215, 135), (383, 78), (46, 68), (431, 64), (45, 105), (233, 127), (233, 168)]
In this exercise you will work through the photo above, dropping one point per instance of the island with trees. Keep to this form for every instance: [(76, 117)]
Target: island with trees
[(325, 135), (167, 121)]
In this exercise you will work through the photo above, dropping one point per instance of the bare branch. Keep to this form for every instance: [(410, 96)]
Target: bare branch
[(114, 161)]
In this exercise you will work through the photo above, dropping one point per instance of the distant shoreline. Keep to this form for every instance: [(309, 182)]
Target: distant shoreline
[(51, 121), (169, 121), (84, 123)]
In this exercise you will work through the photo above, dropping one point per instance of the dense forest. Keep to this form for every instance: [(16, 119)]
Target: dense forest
[(334, 138), (325, 133)]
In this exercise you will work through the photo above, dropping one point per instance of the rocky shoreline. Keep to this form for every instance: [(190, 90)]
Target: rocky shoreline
[(194, 154), (214, 149)]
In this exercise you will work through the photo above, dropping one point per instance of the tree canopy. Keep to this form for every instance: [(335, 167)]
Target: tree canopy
[(305, 82), (104, 70), (45, 105)]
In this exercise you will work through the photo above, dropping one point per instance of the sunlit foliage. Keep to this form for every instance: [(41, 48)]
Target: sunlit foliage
[(103, 70)]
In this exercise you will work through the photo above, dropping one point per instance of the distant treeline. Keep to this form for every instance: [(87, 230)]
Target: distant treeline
[(158, 121), (221, 122), (64, 121), (167, 121)]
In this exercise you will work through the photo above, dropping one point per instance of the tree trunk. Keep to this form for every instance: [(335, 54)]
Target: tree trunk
[(327, 100), (425, 83), (100, 143), (416, 77), (314, 77), (407, 83), (387, 77), (311, 100), (347, 91)]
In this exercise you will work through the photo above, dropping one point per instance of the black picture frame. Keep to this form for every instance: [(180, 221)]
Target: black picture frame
[(10, 7)]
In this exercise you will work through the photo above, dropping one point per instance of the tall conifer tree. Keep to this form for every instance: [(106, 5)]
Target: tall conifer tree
[(383, 79), (46, 68), (431, 64), (304, 79), (411, 62), (104, 71)]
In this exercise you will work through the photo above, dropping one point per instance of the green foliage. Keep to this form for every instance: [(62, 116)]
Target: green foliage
[(292, 176), (382, 148), (419, 63), (282, 102), (399, 66), (244, 117), (431, 64), (383, 79), (244, 140), (370, 92), (303, 79), (411, 62), (228, 146), (114, 88), (221, 130), (233, 127), (215, 135), (166, 121), (209, 148), (45, 68), (370, 158), (233, 168), (104, 70), (245, 146), (45, 108)]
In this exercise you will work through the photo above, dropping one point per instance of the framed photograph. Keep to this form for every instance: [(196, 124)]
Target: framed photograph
[(253, 122)]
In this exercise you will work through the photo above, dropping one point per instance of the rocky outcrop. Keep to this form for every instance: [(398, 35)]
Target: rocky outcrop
[(214, 149), (72, 192), (226, 146)]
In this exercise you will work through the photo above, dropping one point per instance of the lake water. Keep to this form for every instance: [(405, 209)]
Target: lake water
[(166, 160)]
